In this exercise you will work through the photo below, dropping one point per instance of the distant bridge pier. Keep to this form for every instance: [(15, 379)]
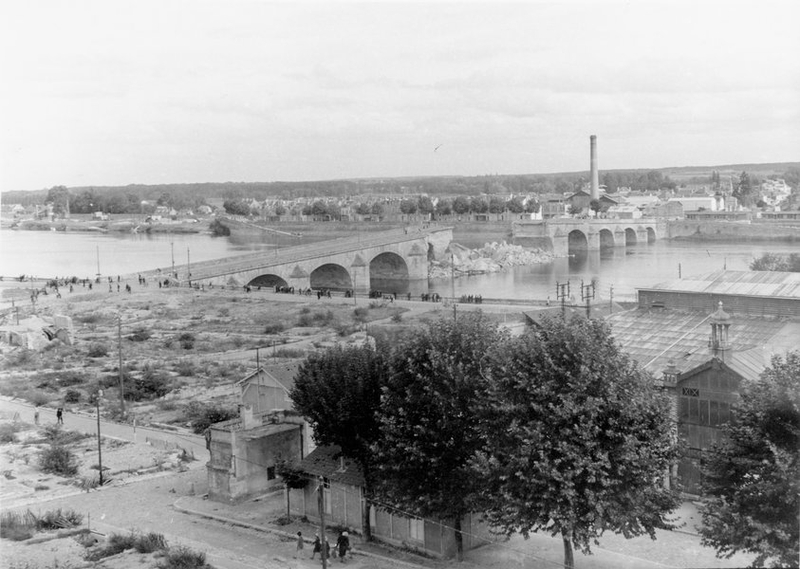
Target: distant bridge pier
[(567, 236)]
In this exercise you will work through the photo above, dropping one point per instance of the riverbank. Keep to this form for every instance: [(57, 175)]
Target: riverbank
[(123, 225)]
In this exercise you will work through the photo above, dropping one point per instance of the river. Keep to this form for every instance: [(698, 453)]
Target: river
[(48, 254)]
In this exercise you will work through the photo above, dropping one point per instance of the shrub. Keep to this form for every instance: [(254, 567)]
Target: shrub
[(58, 460), (54, 434), (274, 328), (39, 398), (72, 396), (59, 519), (16, 526), (397, 317), (97, 350), (140, 334), (186, 340), (117, 543), (8, 433), (60, 380), (185, 367), (361, 314), (182, 557), (21, 358), (150, 542)]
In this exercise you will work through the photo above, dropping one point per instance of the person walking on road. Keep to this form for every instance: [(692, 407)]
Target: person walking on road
[(299, 551), (36, 415), (317, 547), (343, 545), (60, 416)]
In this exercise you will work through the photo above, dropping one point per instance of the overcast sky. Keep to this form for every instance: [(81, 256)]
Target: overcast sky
[(113, 93)]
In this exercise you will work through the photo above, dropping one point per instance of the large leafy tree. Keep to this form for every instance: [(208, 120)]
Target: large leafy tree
[(339, 391), (576, 439), (752, 481), (427, 418)]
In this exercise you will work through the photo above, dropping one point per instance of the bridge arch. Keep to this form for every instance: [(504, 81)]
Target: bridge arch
[(577, 242), (606, 238), (388, 266), (630, 236), (268, 281), (331, 276), (651, 235)]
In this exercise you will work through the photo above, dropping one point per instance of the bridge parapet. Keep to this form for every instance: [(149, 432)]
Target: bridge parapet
[(587, 234)]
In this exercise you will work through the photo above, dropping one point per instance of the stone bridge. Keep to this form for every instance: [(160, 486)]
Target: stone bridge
[(359, 263), (569, 236)]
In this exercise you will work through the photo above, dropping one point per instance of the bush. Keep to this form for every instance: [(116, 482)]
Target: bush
[(182, 557), (140, 334), (59, 519), (186, 340), (185, 367), (38, 398), (289, 353), (60, 380), (361, 314), (397, 317), (117, 543), (16, 526), (274, 328), (58, 460), (97, 350), (8, 433), (150, 542), (90, 318), (72, 396), (21, 358)]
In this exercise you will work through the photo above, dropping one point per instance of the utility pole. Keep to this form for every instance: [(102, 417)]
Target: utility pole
[(172, 248), (355, 285), (99, 449), (453, 281), (119, 346), (587, 294), (323, 540), (562, 293), (98, 260), (188, 268)]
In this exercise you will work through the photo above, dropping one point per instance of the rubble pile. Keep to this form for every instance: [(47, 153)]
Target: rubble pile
[(491, 258)]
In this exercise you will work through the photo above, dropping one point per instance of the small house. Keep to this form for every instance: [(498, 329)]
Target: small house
[(341, 482)]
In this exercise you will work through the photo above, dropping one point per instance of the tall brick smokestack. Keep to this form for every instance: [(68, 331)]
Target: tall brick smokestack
[(593, 166)]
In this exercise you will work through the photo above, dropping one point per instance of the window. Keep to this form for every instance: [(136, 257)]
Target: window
[(690, 392), (416, 529), (270, 473), (326, 494)]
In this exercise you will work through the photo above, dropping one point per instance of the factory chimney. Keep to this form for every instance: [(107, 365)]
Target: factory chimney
[(593, 166)]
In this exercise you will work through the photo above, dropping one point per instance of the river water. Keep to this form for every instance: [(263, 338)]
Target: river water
[(49, 254)]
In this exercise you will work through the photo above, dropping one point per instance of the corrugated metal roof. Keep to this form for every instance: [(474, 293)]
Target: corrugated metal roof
[(654, 337), (747, 283)]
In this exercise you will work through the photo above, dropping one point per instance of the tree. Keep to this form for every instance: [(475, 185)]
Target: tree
[(775, 262), (280, 210), (377, 209), (461, 205), (236, 207), (478, 205), (575, 210), (408, 207), (444, 207), (59, 196), (425, 205), (339, 391), (496, 205), (744, 190), (515, 205), (595, 206), (363, 209), (576, 439), (532, 206), (426, 417), (752, 480)]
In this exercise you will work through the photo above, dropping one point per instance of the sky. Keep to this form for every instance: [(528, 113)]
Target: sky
[(174, 91)]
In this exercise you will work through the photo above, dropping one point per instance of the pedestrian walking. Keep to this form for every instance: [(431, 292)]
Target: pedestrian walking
[(60, 416), (317, 547), (299, 551), (36, 415), (343, 545)]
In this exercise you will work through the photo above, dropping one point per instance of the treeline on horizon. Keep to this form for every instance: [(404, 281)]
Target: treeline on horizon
[(128, 199)]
